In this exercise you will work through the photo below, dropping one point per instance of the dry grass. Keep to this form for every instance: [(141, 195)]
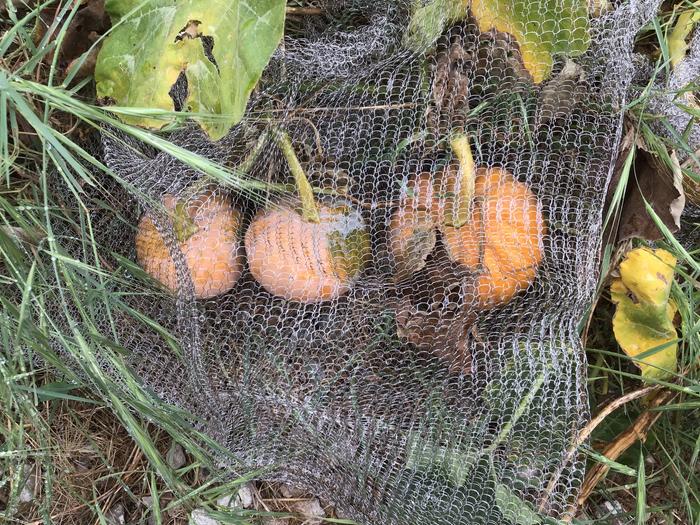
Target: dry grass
[(95, 468)]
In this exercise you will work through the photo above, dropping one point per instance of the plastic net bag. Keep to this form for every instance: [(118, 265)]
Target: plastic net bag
[(382, 304)]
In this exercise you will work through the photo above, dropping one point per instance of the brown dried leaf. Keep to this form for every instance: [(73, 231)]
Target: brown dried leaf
[(85, 67), (662, 188), (438, 318), (89, 23)]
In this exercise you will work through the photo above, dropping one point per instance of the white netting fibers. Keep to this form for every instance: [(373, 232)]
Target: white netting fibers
[(408, 362)]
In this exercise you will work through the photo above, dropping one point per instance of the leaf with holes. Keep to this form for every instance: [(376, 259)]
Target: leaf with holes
[(153, 42), (643, 320), (542, 28)]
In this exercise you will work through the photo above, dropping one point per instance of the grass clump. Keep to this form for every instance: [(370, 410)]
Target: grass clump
[(82, 425)]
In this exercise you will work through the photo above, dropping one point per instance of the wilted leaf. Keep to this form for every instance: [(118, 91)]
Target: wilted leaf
[(542, 28), (148, 48), (560, 96), (677, 40), (653, 181), (643, 319), (514, 509), (89, 23), (413, 250), (82, 67), (350, 249), (435, 311)]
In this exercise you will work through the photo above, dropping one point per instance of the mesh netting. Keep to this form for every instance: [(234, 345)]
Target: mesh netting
[(670, 93), (405, 354)]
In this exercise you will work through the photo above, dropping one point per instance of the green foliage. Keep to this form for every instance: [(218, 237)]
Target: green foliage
[(350, 250), (513, 508), (542, 28), (152, 43), (430, 20)]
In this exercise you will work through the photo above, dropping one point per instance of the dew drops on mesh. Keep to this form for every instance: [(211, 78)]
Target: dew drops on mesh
[(403, 344)]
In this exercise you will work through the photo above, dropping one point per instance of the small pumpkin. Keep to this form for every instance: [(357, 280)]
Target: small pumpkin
[(207, 230), (312, 256), (502, 241), (306, 261), (490, 223)]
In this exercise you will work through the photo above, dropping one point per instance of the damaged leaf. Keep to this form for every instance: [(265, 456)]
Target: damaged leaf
[(221, 47), (677, 40), (413, 244), (84, 30), (542, 28), (643, 320), (428, 22)]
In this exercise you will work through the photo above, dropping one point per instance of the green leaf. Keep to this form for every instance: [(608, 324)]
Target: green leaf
[(153, 41), (184, 225), (542, 28), (641, 491), (428, 22), (57, 390), (677, 40), (425, 455), (514, 509), (643, 320)]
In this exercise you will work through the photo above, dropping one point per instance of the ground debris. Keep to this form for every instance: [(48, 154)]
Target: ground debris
[(655, 183), (201, 517), (29, 490), (176, 456), (115, 515), (290, 491), (245, 495), (311, 510)]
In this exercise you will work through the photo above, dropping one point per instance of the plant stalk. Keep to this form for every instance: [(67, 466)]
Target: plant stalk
[(309, 210), (519, 411), (467, 179)]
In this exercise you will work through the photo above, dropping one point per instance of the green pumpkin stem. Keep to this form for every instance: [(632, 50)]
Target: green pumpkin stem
[(467, 179), (309, 210)]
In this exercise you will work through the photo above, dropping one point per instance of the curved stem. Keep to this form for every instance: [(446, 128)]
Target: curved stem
[(309, 210), (467, 179), (519, 411)]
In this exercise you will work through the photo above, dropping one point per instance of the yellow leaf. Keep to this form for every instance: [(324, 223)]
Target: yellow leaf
[(542, 28), (677, 45), (643, 320)]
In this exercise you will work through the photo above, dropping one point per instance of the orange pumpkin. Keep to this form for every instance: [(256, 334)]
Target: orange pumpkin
[(500, 239), (207, 231), (309, 255), (307, 261)]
